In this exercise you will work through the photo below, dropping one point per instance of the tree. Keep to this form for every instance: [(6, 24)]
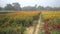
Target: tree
[(48, 8), (40, 8), (9, 7), (16, 6), (0, 8)]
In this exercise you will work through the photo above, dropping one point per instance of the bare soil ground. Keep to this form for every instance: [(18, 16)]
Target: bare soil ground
[(38, 27), (30, 30)]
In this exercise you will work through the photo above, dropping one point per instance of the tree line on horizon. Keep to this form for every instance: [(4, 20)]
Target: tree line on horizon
[(16, 6)]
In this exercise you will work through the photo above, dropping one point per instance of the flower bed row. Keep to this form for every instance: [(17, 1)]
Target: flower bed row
[(51, 28)]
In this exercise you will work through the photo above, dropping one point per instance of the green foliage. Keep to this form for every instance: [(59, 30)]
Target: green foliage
[(51, 22), (9, 24)]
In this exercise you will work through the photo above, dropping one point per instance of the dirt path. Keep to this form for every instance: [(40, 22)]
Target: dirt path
[(38, 26), (31, 29)]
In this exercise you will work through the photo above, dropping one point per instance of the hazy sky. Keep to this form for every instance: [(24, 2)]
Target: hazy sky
[(52, 3)]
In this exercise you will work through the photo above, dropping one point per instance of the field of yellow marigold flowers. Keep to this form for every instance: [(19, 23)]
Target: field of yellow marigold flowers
[(17, 22)]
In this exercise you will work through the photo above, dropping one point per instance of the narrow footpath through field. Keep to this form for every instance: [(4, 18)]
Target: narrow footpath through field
[(37, 28)]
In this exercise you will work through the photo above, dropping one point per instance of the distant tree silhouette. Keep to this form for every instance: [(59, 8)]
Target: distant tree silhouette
[(30, 8), (13, 6), (8, 7), (16, 6), (1, 8), (40, 8)]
